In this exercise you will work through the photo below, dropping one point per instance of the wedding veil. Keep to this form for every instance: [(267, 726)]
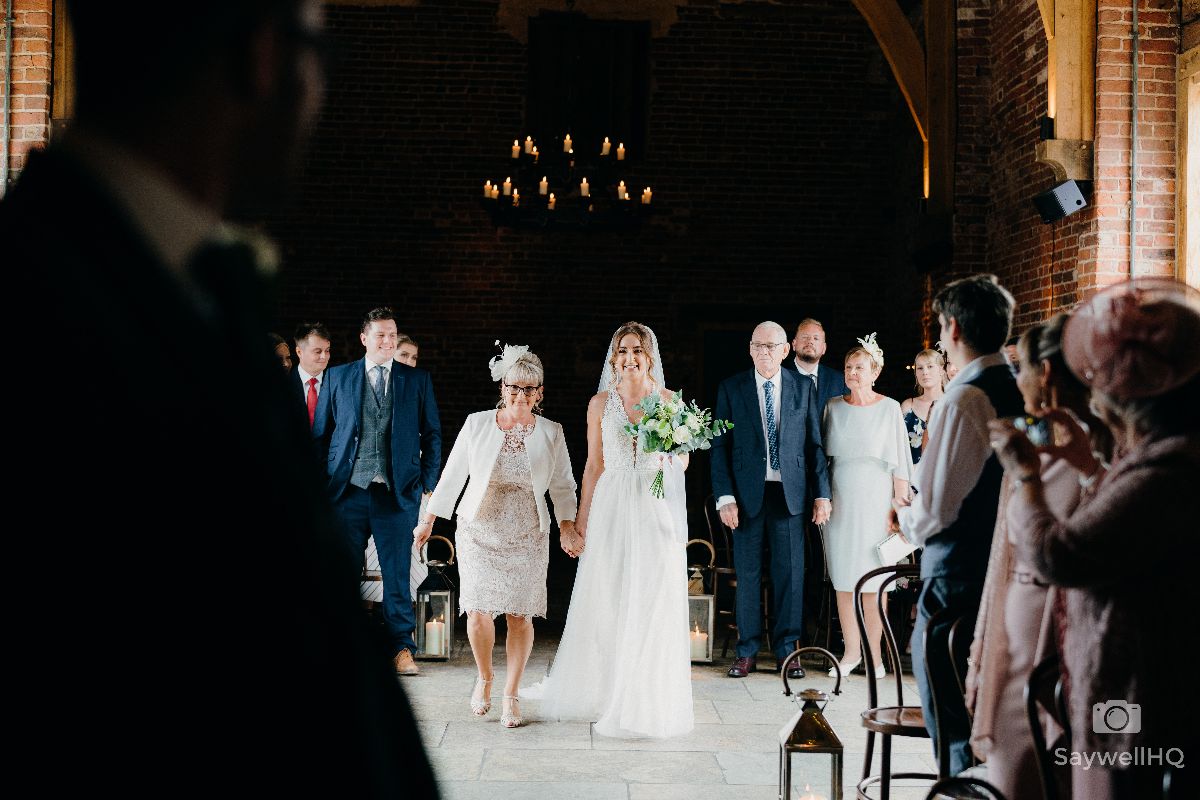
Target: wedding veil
[(609, 378)]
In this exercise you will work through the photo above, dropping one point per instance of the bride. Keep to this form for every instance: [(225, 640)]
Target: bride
[(624, 659)]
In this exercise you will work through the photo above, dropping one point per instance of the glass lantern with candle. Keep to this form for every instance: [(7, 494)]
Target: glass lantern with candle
[(436, 607), (700, 625), (808, 732)]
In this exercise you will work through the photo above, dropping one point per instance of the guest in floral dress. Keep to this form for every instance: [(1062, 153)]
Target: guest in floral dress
[(929, 368), (511, 457)]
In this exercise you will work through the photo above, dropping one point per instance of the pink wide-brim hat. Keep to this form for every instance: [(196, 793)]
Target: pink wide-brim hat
[(1136, 339)]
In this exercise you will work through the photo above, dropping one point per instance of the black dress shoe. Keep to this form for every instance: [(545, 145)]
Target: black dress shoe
[(742, 667), (795, 671)]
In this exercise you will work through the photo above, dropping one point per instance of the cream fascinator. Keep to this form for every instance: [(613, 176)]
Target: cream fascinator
[(871, 346), (501, 364)]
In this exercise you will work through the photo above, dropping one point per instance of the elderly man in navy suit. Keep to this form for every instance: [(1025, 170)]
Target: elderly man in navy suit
[(381, 439), (761, 474)]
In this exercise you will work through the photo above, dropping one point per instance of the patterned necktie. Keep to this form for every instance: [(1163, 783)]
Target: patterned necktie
[(772, 432), (312, 401), (814, 380), (379, 385)]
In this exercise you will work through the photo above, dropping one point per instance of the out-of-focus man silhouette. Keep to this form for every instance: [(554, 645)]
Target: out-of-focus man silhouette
[(169, 488)]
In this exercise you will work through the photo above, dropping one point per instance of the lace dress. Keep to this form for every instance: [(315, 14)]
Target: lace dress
[(625, 657), (502, 552)]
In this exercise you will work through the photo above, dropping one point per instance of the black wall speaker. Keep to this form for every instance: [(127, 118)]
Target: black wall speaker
[(1063, 200)]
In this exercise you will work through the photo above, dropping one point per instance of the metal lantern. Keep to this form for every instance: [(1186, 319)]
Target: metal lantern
[(808, 731), (436, 608), (701, 607)]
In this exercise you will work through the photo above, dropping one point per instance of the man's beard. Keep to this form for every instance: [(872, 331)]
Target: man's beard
[(811, 360)]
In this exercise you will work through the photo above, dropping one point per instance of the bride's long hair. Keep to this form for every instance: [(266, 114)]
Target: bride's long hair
[(645, 337)]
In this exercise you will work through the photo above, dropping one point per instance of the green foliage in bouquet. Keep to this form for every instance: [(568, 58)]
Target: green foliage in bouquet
[(673, 427)]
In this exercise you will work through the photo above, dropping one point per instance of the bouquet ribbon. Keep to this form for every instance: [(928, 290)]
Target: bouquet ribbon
[(676, 498)]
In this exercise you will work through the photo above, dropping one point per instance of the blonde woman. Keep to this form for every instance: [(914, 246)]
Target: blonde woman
[(929, 367), (870, 465), (511, 457)]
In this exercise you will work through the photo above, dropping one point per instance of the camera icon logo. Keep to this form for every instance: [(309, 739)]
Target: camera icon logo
[(1116, 716)]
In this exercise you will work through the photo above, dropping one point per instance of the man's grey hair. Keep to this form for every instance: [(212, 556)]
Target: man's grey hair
[(775, 327)]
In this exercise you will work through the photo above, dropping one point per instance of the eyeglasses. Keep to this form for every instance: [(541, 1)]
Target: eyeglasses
[(764, 347), (528, 391)]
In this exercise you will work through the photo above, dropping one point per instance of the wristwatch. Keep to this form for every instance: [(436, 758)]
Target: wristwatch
[(1029, 478)]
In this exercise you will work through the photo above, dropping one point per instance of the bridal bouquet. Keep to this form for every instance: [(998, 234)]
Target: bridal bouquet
[(673, 427)]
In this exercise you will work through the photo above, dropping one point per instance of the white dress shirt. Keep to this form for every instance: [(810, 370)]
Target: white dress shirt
[(953, 461), (387, 373), (305, 378), (759, 381), (812, 374)]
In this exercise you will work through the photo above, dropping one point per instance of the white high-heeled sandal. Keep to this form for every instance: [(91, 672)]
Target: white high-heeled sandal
[(481, 706), (512, 717), (846, 667)]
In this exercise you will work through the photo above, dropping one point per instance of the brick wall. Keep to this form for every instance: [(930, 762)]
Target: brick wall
[(784, 165), (1050, 267), (30, 107)]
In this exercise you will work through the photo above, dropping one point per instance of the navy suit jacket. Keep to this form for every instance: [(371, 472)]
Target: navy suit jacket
[(739, 457), (830, 382), (415, 445)]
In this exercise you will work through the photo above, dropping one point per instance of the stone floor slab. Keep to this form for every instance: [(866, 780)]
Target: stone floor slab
[(707, 738), (600, 766), (505, 790), (534, 735)]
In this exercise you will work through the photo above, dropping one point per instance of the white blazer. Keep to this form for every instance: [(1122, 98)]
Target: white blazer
[(474, 456)]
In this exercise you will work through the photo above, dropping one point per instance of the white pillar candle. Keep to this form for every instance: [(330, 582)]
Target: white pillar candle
[(699, 644), (567, 144), (646, 195), (516, 197), (809, 794), (487, 188), (621, 152), (543, 186), (535, 154), (584, 189), (621, 193), (435, 637), (529, 144), (550, 205), (516, 153), (495, 192), (507, 186), (604, 148)]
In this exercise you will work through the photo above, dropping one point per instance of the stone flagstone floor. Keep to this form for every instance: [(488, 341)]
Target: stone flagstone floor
[(732, 753)]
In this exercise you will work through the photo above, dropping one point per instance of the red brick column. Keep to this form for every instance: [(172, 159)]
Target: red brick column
[(30, 106)]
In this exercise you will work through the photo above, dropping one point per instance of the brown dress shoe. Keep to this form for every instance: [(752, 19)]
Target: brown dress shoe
[(742, 667), (795, 671), (405, 664)]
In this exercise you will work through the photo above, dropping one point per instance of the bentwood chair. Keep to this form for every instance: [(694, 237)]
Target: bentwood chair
[(962, 786), (886, 721)]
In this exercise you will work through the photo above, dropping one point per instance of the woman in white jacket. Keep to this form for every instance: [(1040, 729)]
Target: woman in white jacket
[(511, 457)]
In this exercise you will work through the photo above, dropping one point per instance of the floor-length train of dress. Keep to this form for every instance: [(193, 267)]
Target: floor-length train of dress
[(625, 659)]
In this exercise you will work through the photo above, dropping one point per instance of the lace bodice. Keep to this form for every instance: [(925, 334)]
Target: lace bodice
[(512, 465), (619, 447)]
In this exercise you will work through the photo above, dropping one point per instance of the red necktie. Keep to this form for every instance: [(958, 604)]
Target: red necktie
[(312, 401)]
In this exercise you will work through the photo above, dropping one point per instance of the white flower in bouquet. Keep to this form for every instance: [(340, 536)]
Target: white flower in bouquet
[(673, 427)]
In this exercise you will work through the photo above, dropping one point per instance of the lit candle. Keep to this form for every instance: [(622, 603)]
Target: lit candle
[(567, 144), (584, 189), (543, 186), (604, 148), (516, 149), (507, 186), (535, 155), (495, 192), (487, 188), (516, 197), (809, 794), (646, 195), (699, 644), (621, 152), (435, 637), (529, 144), (621, 193), (550, 205)]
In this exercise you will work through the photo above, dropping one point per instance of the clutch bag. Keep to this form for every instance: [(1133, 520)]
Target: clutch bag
[(893, 550)]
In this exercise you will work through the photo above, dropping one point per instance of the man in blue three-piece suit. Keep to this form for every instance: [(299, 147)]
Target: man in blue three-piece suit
[(381, 442), (761, 474)]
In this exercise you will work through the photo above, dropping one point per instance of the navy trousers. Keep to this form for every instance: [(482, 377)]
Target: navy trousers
[(775, 525), (963, 597), (374, 512)]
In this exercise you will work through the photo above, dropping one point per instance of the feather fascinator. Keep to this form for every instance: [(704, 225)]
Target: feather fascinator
[(509, 355)]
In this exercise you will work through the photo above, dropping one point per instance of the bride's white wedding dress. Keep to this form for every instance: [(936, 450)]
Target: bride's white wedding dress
[(625, 658)]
